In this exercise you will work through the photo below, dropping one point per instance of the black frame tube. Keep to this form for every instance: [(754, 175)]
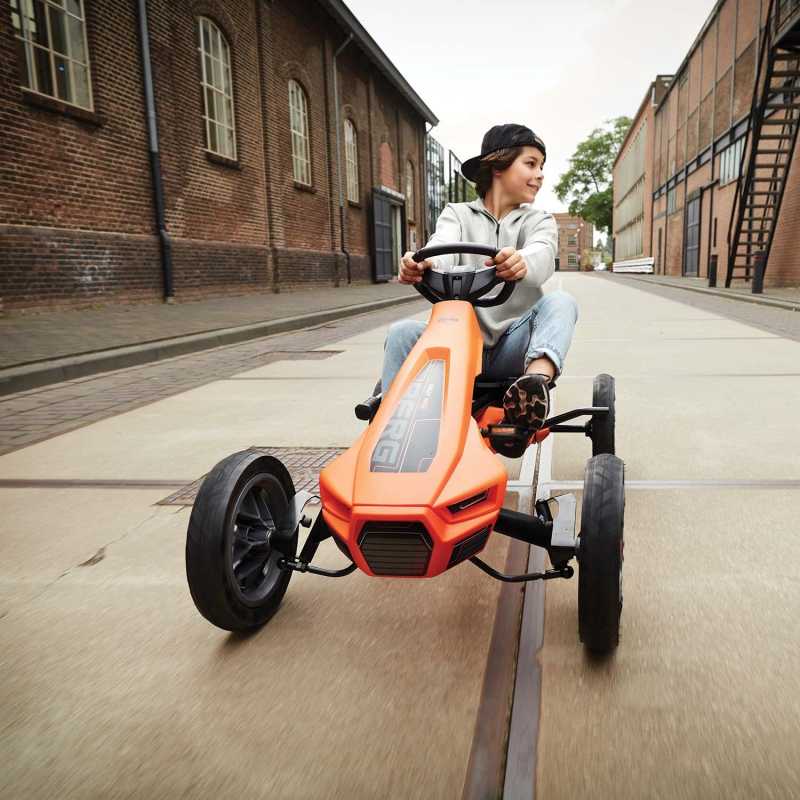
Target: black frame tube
[(561, 572), (569, 429), (525, 527), (591, 411)]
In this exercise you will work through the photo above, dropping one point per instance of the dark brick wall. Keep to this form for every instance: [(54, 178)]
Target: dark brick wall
[(76, 187), (40, 267)]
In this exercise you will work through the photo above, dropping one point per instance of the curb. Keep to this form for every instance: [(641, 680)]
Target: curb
[(788, 305), (43, 373)]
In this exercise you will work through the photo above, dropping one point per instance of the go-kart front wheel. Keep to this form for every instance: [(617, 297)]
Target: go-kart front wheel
[(603, 425), (600, 553), (231, 565)]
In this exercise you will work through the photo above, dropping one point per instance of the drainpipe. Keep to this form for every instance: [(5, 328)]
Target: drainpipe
[(155, 161), (342, 222)]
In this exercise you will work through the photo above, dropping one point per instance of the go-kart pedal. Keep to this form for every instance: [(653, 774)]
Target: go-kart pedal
[(510, 441)]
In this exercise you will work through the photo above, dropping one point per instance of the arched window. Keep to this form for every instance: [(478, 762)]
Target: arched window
[(409, 190), (298, 124), (52, 48), (217, 86), (351, 159)]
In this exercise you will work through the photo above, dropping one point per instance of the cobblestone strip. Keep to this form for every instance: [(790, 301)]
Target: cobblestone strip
[(39, 414)]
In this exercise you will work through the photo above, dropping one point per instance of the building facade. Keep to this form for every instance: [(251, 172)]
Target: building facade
[(702, 137), (633, 181), (575, 237), (232, 179)]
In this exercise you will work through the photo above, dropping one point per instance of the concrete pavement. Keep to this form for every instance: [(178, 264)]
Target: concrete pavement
[(357, 688), (700, 699), (114, 686), (787, 297)]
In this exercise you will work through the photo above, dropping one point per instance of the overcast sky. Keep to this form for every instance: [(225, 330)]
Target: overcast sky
[(561, 68)]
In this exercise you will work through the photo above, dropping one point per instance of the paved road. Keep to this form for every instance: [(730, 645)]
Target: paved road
[(701, 699), (113, 686), (39, 414)]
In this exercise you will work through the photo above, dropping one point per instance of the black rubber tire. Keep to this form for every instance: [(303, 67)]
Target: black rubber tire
[(603, 394), (210, 541), (601, 553)]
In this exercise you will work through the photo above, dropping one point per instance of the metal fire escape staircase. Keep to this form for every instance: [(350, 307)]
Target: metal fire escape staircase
[(774, 124)]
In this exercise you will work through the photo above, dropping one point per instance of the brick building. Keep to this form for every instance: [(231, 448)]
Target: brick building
[(723, 139), (633, 183), (243, 150), (575, 235)]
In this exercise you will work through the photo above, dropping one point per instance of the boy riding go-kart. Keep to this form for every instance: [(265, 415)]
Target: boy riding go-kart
[(421, 490)]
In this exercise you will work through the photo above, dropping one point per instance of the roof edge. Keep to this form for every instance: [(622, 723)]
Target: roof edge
[(348, 20), (697, 39), (647, 95)]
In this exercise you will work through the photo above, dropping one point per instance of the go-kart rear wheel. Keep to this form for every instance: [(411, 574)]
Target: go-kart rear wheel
[(600, 553), (602, 434), (231, 566)]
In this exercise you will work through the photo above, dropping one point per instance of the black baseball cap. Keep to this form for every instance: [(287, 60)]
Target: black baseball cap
[(499, 138)]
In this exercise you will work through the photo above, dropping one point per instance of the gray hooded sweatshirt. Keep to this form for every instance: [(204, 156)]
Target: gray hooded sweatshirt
[(532, 232)]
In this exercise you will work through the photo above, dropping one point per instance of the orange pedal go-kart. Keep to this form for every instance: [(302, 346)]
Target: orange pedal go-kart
[(421, 489)]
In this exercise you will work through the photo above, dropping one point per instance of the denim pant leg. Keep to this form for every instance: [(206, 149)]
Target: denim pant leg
[(546, 330), (400, 341)]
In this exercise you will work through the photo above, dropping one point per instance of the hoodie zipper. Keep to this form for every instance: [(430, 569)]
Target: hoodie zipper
[(496, 228)]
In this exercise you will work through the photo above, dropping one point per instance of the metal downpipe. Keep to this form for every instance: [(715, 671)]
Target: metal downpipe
[(342, 222), (155, 160)]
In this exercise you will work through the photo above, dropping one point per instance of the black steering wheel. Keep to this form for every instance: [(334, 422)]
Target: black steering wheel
[(462, 282)]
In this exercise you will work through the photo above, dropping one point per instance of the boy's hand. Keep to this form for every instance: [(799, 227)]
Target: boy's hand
[(510, 264), (410, 271)]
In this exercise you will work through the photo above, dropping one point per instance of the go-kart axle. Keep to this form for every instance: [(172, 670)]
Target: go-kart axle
[(565, 571), (295, 565)]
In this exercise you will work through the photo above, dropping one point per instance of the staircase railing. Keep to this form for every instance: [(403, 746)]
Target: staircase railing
[(753, 130)]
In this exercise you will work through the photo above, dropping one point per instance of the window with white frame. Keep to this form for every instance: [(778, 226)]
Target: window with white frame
[(52, 46), (351, 160), (409, 190), (729, 162), (572, 259), (217, 86), (298, 124)]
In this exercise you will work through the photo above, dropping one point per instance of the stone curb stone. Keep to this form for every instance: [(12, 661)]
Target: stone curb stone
[(43, 373)]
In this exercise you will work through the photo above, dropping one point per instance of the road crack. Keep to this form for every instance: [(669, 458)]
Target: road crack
[(95, 559)]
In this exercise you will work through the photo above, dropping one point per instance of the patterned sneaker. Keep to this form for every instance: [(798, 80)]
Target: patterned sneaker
[(527, 401)]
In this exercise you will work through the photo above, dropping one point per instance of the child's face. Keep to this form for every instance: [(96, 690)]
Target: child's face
[(523, 179)]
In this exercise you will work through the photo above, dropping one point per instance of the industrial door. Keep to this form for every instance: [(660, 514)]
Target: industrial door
[(387, 234), (691, 254)]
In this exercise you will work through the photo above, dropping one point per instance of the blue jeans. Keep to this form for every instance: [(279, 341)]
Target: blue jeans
[(546, 330)]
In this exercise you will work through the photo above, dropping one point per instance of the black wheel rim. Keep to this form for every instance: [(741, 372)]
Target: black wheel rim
[(253, 562)]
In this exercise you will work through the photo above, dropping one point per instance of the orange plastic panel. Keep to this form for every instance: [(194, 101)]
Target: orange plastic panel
[(462, 467)]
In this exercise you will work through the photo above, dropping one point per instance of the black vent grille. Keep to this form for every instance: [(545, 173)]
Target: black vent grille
[(469, 546), (396, 548)]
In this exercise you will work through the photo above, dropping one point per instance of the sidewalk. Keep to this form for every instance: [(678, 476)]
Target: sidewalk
[(39, 349), (784, 297)]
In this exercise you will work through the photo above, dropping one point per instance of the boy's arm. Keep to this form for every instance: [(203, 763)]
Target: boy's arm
[(539, 250)]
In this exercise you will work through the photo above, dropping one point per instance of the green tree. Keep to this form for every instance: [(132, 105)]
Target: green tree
[(586, 185)]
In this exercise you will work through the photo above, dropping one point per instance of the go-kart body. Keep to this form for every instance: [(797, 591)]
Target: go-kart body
[(420, 489)]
